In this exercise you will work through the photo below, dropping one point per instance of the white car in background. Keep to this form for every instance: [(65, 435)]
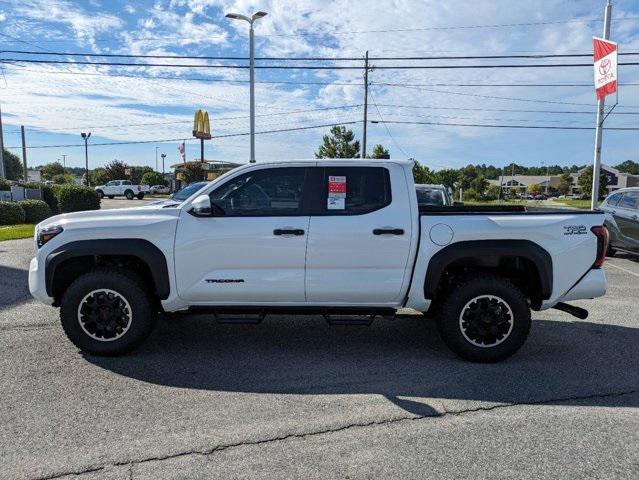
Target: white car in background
[(160, 189), (120, 188)]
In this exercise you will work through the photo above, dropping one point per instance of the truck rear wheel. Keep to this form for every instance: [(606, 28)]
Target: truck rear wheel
[(107, 312), (486, 319)]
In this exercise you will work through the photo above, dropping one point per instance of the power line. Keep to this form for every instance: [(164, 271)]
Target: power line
[(332, 59), (545, 127), (271, 114), (386, 127), (568, 112), (181, 139), (307, 67), (453, 27), (196, 79)]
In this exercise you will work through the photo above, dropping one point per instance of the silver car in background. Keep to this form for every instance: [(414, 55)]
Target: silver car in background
[(622, 220), (430, 194)]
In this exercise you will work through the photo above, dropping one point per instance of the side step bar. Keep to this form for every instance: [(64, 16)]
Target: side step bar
[(578, 312)]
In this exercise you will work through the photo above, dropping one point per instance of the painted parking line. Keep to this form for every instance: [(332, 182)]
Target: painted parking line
[(623, 269)]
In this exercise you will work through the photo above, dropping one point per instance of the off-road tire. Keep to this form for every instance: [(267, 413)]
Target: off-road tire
[(449, 320), (128, 286), (140, 196), (129, 195)]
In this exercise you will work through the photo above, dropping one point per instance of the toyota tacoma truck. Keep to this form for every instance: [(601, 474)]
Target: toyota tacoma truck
[(341, 238), (122, 188)]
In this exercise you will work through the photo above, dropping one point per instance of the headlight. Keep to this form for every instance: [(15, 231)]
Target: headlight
[(47, 233)]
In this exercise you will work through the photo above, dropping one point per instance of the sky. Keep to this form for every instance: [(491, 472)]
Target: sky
[(55, 102)]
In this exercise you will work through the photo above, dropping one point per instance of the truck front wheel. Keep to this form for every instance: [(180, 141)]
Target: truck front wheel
[(486, 319), (107, 312)]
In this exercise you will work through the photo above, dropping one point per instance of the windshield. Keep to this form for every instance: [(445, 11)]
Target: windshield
[(187, 191), (430, 197)]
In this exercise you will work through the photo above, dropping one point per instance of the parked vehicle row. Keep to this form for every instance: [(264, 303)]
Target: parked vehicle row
[(336, 237)]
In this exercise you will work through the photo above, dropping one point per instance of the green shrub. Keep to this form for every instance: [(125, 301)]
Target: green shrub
[(4, 185), (153, 178), (72, 198), (11, 213), (35, 210), (49, 196)]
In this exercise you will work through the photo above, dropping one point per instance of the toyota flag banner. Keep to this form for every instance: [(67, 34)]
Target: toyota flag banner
[(605, 56), (182, 150)]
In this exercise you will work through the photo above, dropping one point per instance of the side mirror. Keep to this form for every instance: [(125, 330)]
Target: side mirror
[(201, 206)]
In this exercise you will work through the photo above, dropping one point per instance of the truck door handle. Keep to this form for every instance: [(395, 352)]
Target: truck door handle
[(388, 231), (288, 231)]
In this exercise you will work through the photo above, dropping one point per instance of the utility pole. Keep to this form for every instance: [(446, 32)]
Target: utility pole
[(2, 174), (64, 161), (596, 167), (85, 137), (24, 155), (156, 158), (365, 104)]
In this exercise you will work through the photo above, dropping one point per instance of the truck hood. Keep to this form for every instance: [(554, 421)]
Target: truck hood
[(117, 218)]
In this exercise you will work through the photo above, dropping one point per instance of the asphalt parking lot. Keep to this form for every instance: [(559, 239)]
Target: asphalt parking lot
[(295, 398)]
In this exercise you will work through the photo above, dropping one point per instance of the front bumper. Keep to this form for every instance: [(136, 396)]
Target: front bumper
[(37, 283)]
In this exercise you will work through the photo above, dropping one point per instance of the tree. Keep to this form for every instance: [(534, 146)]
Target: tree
[(153, 178), (479, 184), (422, 174), (50, 170), (63, 179), (98, 176), (585, 182), (138, 172), (492, 192), (340, 143), (380, 152), (115, 170), (192, 172), (565, 183), (466, 175), (447, 177), (12, 166), (628, 167), (534, 188)]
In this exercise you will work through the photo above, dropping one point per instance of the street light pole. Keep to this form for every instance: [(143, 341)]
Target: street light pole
[(86, 136), (596, 167), (163, 157), (250, 20)]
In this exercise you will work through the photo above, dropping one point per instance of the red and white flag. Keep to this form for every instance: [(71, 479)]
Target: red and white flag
[(182, 149), (605, 56)]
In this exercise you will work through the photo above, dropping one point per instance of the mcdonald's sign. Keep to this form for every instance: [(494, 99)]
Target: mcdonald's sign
[(201, 126)]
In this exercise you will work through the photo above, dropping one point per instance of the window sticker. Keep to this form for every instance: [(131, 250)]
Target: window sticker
[(336, 193)]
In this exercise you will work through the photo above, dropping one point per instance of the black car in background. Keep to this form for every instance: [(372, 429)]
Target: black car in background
[(622, 220)]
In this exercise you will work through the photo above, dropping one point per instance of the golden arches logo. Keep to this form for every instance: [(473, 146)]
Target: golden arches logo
[(201, 126)]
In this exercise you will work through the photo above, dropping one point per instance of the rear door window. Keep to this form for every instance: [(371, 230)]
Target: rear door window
[(630, 200), (613, 200), (354, 190)]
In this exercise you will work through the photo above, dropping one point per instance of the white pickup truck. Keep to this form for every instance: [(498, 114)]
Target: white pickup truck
[(341, 238), (122, 188)]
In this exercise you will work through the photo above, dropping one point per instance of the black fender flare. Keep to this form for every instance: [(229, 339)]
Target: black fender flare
[(479, 248), (142, 249)]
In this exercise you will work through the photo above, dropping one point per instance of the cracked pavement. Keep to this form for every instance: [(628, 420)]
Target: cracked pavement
[(294, 398)]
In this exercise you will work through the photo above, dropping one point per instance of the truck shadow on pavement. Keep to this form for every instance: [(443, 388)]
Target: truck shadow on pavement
[(14, 287), (562, 362)]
